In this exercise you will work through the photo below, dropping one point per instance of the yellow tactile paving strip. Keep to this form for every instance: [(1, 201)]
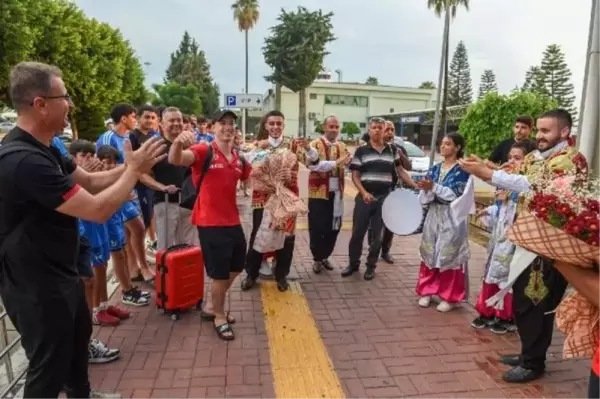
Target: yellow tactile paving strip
[(299, 361)]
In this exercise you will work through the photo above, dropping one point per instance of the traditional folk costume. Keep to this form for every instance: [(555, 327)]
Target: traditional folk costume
[(283, 257), (325, 200), (500, 217), (540, 288), (445, 241)]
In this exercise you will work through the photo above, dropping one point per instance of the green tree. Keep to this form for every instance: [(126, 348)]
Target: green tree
[(295, 50), (534, 81), (246, 13), (490, 119), (557, 78), (428, 84), (372, 80), (350, 129), (487, 83), (188, 66), (459, 81), (184, 97), (319, 127)]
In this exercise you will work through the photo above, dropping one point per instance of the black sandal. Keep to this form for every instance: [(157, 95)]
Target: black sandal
[(151, 281), (205, 316), (138, 279), (223, 330)]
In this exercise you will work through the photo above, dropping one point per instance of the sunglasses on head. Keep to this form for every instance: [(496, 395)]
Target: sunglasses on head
[(376, 120)]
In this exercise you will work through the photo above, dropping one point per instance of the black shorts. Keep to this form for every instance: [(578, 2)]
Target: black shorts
[(223, 250), (146, 199), (84, 258)]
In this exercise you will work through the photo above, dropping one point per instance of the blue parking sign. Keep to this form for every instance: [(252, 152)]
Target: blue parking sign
[(231, 101)]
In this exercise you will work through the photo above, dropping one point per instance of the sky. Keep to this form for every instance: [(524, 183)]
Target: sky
[(397, 41)]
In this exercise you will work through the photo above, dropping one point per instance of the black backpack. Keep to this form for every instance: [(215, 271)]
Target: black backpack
[(189, 192)]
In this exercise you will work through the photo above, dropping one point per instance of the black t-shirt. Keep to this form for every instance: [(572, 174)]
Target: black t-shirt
[(168, 174), (40, 263), (500, 153), (137, 138), (377, 170)]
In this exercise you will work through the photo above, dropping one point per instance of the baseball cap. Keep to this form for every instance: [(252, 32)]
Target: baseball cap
[(223, 113)]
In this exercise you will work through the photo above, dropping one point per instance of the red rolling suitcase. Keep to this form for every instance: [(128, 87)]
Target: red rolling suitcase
[(179, 277)]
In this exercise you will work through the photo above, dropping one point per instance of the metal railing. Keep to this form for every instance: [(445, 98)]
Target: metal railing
[(13, 374)]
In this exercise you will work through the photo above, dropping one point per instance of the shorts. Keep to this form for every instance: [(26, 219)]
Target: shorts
[(100, 255), (146, 203), (130, 210), (223, 250), (84, 258), (116, 232)]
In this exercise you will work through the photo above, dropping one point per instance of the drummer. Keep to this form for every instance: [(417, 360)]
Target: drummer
[(375, 166)]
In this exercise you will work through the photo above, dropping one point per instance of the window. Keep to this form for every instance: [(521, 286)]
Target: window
[(353, 101), (362, 125), (391, 110), (313, 96)]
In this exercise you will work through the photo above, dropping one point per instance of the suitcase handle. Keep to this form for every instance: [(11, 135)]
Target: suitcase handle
[(167, 215)]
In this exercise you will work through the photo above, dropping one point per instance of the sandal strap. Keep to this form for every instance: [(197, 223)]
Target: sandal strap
[(223, 328)]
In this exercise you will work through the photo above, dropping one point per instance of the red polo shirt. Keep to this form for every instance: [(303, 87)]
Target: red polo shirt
[(217, 205)]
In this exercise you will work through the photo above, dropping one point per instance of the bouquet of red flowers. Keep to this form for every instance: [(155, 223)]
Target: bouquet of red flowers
[(562, 225)]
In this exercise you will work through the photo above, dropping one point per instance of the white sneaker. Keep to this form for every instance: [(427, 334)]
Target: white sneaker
[(444, 307), (424, 301)]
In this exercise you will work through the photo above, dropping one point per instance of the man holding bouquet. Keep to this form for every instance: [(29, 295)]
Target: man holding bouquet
[(275, 143), (540, 288)]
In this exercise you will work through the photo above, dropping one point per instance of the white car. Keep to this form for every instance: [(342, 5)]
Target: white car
[(419, 161)]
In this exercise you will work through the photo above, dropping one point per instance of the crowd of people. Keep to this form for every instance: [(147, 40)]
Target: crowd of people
[(157, 178)]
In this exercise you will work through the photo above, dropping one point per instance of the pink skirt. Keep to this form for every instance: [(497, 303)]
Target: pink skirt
[(449, 285), (487, 291)]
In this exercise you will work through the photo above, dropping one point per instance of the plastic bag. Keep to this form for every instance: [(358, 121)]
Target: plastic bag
[(268, 238)]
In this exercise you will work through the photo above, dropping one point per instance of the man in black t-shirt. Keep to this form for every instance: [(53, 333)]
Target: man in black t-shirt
[(167, 178), (522, 133), (41, 196)]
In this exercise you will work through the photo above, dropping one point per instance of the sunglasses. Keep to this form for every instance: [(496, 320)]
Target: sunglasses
[(376, 120)]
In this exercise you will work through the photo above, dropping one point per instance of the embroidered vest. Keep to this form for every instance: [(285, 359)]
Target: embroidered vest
[(318, 182)]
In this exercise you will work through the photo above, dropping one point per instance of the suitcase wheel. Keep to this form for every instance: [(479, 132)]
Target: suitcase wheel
[(175, 316)]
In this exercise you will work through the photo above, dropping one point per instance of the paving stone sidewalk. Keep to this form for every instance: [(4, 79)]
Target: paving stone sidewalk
[(381, 343)]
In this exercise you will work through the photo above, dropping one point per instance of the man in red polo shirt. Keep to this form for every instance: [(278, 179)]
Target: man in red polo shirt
[(215, 211)]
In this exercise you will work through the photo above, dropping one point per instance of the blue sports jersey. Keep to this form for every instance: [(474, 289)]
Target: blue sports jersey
[(97, 234), (60, 146), (204, 137), (113, 139)]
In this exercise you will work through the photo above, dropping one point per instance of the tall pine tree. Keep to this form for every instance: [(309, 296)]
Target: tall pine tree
[(460, 91), (487, 83), (557, 78), (189, 66), (535, 81)]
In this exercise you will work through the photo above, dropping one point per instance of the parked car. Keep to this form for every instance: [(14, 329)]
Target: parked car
[(418, 159)]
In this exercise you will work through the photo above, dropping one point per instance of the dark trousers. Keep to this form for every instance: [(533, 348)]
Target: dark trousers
[(386, 240), (283, 256), (365, 215), (535, 327), (320, 223), (594, 386), (55, 335)]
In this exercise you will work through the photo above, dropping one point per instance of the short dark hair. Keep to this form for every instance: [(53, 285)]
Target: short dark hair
[(563, 117), (146, 108), (107, 152), (201, 120), (458, 141), (186, 119), (522, 145), (121, 110), (29, 80), (274, 113), (525, 119), (78, 146), (159, 111)]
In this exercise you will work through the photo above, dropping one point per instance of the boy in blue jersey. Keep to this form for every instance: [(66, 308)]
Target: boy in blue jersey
[(98, 352), (130, 225), (203, 131), (97, 236)]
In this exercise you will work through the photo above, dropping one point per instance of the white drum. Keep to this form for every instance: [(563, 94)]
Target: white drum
[(402, 212)]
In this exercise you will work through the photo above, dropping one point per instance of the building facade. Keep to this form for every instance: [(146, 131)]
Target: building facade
[(350, 102)]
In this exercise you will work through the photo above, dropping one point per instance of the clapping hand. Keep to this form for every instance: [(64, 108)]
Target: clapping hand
[(186, 139), (344, 160), (149, 154), (91, 164)]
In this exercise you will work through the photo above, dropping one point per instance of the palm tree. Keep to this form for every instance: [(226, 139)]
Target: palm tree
[(448, 9), (245, 13)]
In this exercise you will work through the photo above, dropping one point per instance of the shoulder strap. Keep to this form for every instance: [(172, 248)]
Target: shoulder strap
[(7, 149), (205, 167), (394, 151)]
